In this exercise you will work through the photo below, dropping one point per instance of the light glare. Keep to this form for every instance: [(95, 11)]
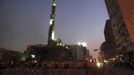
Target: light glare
[(84, 44), (53, 36), (33, 56), (54, 4), (98, 64)]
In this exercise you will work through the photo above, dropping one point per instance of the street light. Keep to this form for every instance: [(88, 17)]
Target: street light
[(98, 64), (33, 56)]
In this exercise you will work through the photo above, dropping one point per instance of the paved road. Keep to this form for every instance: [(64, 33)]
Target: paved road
[(50, 72), (119, 71), (113, 71)]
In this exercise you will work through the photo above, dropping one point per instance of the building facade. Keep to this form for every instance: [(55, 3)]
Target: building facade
[(109, 34), (108, 47), (9, 55), (45, 52), (78, 52), (122, 21)]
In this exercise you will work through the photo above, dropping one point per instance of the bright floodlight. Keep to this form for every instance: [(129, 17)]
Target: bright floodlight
[(84, 44)]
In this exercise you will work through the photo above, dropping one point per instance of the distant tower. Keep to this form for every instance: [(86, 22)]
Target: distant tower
[(51, 34)]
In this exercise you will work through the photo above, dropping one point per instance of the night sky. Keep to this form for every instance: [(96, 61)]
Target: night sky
[(26, 22)]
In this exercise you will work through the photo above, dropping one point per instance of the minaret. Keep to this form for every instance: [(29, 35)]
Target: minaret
[(51, 34)]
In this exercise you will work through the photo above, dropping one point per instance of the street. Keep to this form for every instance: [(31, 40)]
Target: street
[(119, 71), (113, 71)]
